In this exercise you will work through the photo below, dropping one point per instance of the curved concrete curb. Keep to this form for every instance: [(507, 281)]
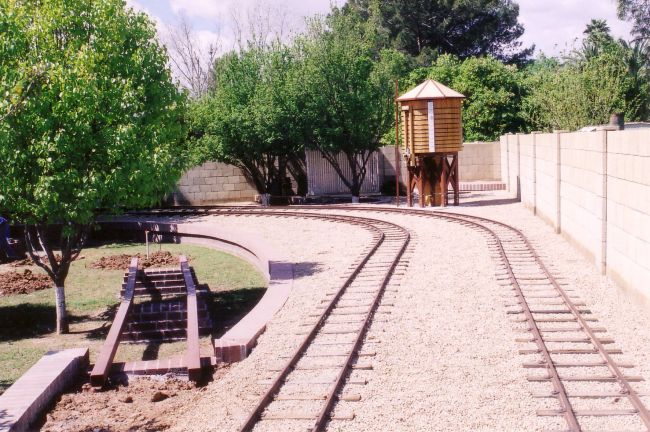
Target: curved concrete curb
[(236, 344)]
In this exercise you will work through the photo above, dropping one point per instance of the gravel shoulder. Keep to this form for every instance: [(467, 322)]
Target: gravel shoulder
[(446, 357)]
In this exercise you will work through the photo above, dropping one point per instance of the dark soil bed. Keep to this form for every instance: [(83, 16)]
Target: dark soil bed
[(142, 405), (23, 283), (122, 261)]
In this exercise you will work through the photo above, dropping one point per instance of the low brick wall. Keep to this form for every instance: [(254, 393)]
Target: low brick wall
[(24, 402), (211, 183)]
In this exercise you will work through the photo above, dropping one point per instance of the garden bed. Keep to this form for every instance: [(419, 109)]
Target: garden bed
[(27, 321), (25, 282)]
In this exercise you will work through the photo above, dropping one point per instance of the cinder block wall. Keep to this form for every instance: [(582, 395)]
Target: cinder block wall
[(215, 182), (480, 161), (628, 208), (212, 182), (527, 167), (594, 189), (581, 191), (547, 170), (477, 161), (513, 163)]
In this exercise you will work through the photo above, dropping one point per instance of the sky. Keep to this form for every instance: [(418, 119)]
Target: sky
[(551, 25)]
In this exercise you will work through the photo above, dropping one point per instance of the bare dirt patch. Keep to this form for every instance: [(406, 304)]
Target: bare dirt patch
[(143, 404), (122, 261), (23, 283)]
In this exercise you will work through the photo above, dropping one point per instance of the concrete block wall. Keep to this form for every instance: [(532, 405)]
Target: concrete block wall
[(504, 159), (527, 170), (480, 161), (594, 189), (514, 163), (628, 208), (547, 170), (213, 182), (582, 172)]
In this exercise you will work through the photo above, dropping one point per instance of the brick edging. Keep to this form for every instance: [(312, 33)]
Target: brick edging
[(236, 343), (26, 400)]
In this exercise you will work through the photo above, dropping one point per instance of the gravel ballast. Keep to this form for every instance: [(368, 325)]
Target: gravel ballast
[(443, 349)]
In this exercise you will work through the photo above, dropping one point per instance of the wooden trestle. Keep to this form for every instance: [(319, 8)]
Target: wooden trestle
[(433, 174)]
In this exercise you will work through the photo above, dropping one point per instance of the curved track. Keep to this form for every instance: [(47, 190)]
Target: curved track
[(561, 329)]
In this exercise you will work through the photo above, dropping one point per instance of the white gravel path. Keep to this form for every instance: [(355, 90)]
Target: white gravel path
[(322, 252), (618, 311), (446, 357)]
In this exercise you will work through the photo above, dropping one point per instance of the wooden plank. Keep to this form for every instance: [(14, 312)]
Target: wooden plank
[(571, 351), (589, 413), (593, 395), (193, 355), (575, 364), (442, 118), (104, 361), (586, 378)]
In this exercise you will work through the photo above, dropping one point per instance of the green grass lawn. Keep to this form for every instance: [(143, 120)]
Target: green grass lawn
[(27, 322)]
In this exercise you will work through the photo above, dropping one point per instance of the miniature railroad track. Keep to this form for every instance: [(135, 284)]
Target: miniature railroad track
[(566, 341), (554, 318), (178, 322), (332, 345)]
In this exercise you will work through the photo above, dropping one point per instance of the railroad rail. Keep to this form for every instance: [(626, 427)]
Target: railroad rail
[(156, 283), (563, 332), (102, 368), (333, 343)]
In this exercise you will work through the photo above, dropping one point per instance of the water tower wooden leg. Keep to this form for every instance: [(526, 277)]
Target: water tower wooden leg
[(422, 179), (443, 182), (456, 181), (409, 188)]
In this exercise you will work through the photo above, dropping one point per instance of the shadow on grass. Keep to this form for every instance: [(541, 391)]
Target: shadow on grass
[(26, 320), (4, 385), (228, 307)]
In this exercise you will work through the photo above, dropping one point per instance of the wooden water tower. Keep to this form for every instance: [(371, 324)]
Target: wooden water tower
[(432, 136)]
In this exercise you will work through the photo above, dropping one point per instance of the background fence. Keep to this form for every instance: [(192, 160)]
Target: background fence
[(594, 188)]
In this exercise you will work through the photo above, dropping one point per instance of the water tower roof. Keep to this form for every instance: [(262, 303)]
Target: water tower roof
[(430, 89)]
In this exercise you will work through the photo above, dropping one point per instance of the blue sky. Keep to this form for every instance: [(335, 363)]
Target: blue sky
[(552, 25)]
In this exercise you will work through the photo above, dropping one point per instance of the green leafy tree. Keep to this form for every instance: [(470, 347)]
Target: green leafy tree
[(91, 121), (494, 93), (637, 11), (346, 84), (604, 76), (574, 95), (465, 28), (251, 118)]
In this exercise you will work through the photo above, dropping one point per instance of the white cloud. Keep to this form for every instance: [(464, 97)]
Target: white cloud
[(553, 25), (199, 8)]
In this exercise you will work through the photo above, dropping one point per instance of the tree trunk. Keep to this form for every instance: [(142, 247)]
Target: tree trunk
[(355, 189), (61, 313)]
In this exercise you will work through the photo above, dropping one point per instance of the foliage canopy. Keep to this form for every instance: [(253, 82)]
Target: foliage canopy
[(90, 117), (465, 28)]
